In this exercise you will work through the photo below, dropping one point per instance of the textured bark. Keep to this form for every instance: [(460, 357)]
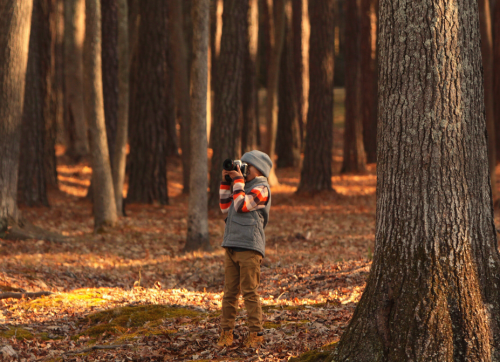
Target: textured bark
[(197, 228), (134, 21), (432, 294), (368, 74), (37, 140), (15, 20), (288, 135), (120, 152), (316, 171), (181, 79), (109, 10), (250, 96), (354, 151), (74, 34), (277, 26), (487, 55), (148, 117), (496, 73), (298, 40), (187, 6), (172, 142), (226, 129), (102, 180)]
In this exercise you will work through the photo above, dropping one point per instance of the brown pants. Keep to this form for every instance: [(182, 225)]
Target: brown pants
[(242, 273)]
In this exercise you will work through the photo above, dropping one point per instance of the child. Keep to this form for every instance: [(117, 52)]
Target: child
[(245, 242)]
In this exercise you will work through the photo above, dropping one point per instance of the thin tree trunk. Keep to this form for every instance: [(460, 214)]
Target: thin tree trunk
[(317, 170), (74, 34), (148, 117), (250, 96), (354, 151), (15, 20), (59, 76), (103, 194), (496, 73), (368, 82), (187, 22), (181, 79), (120, 152), (298, 61), (172, 142), (228, 89), (110, 83), (288, 135), (433, 290), (277, 19), (487, 55), (197, 231)]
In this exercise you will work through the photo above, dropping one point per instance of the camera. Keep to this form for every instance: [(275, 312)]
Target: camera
[(231, 165)]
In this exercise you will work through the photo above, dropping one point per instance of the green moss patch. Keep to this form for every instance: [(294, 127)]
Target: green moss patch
[(269, 325), (321, 355), (19, 333), (81, 296)]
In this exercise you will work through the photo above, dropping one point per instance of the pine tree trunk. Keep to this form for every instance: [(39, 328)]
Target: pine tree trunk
[(103, 194), (250, 96), (181, 79), (172, 142), (74, 34), (277, 21), (148, 117), (496, 73), (354, 151), (432, 294), (120, 151), (368, 81), (15, 21), (226, 128), (288, 135), (197, 233), (109, 9), (187, 21), (298, 61), (317, 169), (36, 131), (487, 56)]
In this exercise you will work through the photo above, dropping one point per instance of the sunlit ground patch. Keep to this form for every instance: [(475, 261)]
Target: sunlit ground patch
[(76, 298)]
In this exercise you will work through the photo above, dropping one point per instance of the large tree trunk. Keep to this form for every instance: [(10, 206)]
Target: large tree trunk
[(288, 135), (148, 117), (487, 55), (197, 231), (103, 194), (317, 169), (74, 34), (354, 151), (368, 74), (15, 20), (181, 78), (109, 10), (37, 141), (120, 151), (226, 130), (432, 294), (250, 96), (277, 26)]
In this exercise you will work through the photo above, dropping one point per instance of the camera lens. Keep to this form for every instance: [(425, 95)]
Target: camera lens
[(228, 165)]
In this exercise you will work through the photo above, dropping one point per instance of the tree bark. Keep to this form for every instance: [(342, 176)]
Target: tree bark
[(109, 10), (197, 231), (368, 74), (181, 79), (250, 96), (148, 117), (15, 20), (74, 34), (226, 129), (298, 61), (120, 152), (432, 294), (316, 171), (277, 26), (354, 151), (288, 135), (103, 194), (487, 55), (496, 72), (172, 142)]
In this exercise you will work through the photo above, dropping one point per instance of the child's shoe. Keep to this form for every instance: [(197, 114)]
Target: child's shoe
[(226, 338), (255, 339)]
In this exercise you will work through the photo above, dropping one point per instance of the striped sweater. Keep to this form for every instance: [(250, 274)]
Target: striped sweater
[(256, 199)]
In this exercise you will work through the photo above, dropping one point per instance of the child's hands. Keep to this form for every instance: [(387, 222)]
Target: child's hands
[(232, 174)]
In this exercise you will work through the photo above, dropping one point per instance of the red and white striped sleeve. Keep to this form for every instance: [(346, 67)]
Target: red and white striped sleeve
[(225, 196), (255, 199)]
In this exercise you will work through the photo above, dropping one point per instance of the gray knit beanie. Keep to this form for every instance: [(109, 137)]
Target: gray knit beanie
[(260, 160)]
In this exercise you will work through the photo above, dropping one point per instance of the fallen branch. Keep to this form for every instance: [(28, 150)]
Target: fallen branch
[(93, 348), (23, 295)]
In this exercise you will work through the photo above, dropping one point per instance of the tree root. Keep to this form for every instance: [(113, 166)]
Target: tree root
[(17, 295), (24, 230)]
